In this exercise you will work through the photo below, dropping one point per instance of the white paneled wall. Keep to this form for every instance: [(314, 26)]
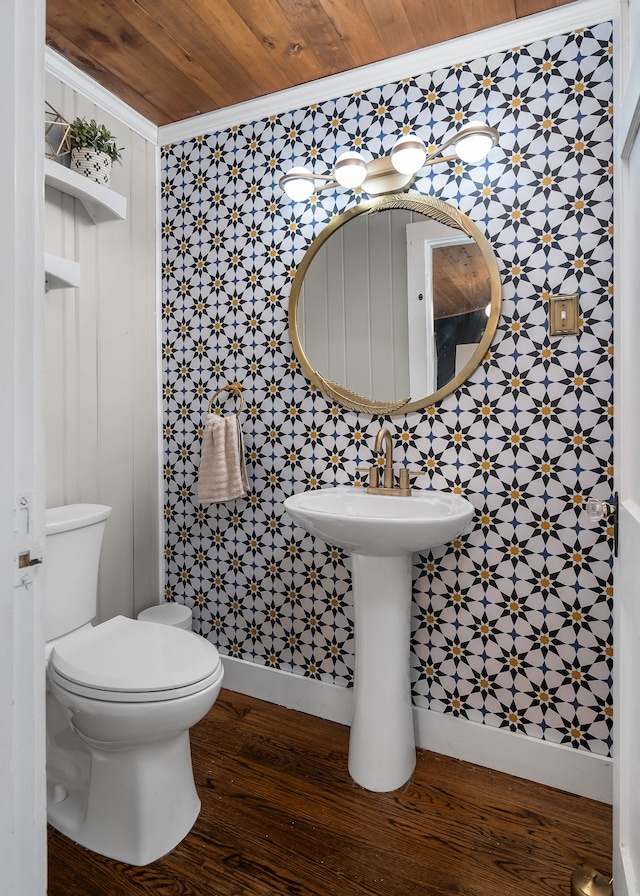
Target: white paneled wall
[(102, 412), (352, 317)]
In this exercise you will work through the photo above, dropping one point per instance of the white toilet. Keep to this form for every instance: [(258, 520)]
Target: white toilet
[(121, 697)]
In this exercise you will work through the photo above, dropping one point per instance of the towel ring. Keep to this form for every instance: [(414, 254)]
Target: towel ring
[(235, 389)]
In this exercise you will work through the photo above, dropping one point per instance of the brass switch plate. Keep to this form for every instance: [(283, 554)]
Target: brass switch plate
[(564, 315)]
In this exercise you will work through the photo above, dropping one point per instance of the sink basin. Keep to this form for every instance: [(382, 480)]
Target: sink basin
[(381, 532), (380, 525)]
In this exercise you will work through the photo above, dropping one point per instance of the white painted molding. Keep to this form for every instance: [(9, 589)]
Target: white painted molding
[(627, 121), (65, 71), (162, 571), (575, 771), (580, 14)]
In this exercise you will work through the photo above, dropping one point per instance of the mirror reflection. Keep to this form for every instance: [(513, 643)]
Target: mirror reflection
[(395, 304)]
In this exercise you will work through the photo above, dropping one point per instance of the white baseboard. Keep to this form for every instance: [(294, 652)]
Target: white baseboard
[(575, 771)]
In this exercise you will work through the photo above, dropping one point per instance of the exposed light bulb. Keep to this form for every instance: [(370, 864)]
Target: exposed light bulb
[(474, 141), (350, 170), (300, 187), (408, 154)]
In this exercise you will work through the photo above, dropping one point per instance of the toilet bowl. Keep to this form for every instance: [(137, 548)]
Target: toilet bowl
[(121, 697)]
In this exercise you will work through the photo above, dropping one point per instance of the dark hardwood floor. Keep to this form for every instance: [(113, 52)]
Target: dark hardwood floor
[(281, 817)]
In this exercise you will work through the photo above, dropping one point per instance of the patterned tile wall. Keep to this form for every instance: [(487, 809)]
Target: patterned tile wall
[(512, 625)]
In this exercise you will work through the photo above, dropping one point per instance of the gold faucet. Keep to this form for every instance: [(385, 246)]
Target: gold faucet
[(384, 438), (384, 442)]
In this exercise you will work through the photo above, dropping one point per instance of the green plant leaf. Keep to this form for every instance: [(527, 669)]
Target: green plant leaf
[(90, 135)]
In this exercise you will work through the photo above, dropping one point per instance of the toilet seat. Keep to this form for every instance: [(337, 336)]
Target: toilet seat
[(126, 661)]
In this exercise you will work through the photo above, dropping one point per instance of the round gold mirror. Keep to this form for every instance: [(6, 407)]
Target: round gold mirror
[(395, 304)]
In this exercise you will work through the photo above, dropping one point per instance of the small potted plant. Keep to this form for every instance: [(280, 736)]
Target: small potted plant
[(93, 150)]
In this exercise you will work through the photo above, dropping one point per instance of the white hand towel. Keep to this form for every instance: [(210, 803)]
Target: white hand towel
[(222, 475)]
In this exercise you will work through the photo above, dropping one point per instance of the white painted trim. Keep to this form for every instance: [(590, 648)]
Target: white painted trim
[(160, 379), (627, 121), (575, 771), (629, 882), (65, 71), (579, 14), (23, 843), (317, 698)]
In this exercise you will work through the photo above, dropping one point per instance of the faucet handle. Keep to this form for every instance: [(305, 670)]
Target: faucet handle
[(405, 472), (373, 475)]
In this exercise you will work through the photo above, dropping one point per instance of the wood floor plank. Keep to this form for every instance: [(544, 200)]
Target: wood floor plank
[(281, 817)]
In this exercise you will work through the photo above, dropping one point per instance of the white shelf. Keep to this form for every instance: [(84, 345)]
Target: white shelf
[(101, 203), (60, 273)]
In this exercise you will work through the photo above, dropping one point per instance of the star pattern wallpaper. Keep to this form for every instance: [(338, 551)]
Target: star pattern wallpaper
[(512, 623)]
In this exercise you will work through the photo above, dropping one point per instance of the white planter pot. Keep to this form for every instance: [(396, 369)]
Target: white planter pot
[(92, 164)]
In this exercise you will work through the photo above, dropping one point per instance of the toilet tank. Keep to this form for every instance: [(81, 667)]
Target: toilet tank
[(73, 538)]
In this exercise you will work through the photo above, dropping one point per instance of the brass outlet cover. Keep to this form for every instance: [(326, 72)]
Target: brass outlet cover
[(564, 315)]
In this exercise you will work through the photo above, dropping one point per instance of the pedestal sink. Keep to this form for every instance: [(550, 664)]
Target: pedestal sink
[(381, 532)]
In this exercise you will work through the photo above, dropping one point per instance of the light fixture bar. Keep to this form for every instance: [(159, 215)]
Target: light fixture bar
[(396, 172)]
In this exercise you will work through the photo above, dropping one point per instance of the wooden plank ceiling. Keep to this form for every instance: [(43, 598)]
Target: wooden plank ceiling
[(173, 59)]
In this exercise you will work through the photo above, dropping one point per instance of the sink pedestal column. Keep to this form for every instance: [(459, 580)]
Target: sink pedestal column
[(382, 753)]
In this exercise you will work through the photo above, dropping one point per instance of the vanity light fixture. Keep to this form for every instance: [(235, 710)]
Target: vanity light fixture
[(396, 172)]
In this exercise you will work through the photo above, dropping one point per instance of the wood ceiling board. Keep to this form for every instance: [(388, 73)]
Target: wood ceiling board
[(462, 278), (316, 29), (236, 52), (390, 20), (271, 26), (433, 22), (164, 26), (114, 46), (173, 59), (358, 18), (106, 79), (483, 14), (530, 7)]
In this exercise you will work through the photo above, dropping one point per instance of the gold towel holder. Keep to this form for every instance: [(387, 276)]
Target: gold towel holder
[(235, 389)]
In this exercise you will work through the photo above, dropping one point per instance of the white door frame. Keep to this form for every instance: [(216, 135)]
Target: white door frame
[(626, 798), (22, 762)]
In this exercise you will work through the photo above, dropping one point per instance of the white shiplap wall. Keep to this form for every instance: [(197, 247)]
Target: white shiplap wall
[(362, 343), (102, 415)]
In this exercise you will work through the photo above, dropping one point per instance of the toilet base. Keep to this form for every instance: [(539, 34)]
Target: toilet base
[(134, 805)]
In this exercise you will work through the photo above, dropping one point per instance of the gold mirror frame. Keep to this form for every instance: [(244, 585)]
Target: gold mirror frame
[(444, 213)]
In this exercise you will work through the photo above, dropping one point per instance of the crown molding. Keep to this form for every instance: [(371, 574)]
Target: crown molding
[(65, 71), (580, 14)]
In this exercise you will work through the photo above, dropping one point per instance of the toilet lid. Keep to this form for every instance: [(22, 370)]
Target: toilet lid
[(130, 657)]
